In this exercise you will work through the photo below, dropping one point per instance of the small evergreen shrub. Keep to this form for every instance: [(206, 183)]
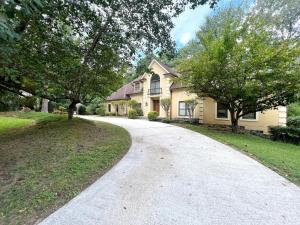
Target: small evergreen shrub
[(152, 116), (81, 110), (285, 134), (166, 120), (100, 111), (294, 121), (132, 114), (294, 110)]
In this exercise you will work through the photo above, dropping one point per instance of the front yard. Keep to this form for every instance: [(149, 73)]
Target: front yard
[(281, 157), (45, 160)]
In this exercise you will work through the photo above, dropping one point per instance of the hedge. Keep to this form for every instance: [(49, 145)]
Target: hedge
[(132, 114), (294, 121), (152, 116), (285, 134)]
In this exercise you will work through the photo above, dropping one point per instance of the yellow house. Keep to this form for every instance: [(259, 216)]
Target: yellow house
[(149, 89)]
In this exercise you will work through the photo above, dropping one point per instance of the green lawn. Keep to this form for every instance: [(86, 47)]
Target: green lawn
[(281, 157), (46, 164), (7, 123)]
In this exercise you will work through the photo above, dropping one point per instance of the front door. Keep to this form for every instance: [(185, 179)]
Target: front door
[(156, 105)]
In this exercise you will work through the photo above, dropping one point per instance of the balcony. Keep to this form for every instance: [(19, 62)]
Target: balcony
[(154, 91)]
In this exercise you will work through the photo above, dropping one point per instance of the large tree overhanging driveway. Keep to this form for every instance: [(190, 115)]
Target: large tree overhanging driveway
[(174, 176)]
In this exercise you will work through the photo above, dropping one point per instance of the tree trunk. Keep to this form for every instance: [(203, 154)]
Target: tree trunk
[(234, 122), (71, 109)]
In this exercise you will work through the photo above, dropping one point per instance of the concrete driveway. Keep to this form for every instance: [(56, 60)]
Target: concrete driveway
[(174, 176)]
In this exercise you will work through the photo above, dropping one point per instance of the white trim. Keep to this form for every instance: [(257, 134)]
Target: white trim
[(216, 113), (177, 108), (155, 61), (251, 120)]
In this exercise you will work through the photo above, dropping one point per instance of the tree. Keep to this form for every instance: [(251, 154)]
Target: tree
[(166, 105), (282, 17), (242, 66), (78, 49), (191, 105)]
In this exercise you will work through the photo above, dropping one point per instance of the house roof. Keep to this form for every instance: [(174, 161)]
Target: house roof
[(167, 68), (122, 93), (128, 89)]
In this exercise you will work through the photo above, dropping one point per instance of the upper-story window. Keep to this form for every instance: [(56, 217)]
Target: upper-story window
[(137, 87), (155, 84)]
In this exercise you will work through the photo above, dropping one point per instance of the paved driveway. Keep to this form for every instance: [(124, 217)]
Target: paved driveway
[(174, 176)]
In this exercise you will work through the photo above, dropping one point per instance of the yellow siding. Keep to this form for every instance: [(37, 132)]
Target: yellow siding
[(264, 120), (180, 95)]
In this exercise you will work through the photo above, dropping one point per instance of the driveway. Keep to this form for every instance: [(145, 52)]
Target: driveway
[(174, 176)]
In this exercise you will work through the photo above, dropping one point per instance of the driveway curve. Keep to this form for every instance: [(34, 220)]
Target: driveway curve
[(174, 176)]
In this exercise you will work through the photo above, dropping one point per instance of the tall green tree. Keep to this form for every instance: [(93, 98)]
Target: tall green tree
[(77, 49), (282, 17), (242, 66)]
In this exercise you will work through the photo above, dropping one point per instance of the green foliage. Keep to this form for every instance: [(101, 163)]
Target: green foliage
[(9, 101), (284, 23), (140, 112), (241, 65), (152, 116), (191, 105), (132, 114), (91, 109), (294, 109), (81, 109), (29, 102), (166, 104), (132, 103), (100, 111), (293, 121), (285, 134), (166, 120), (68, 50)]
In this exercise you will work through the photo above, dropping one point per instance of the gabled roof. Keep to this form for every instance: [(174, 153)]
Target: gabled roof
[(122, 93), (166, 68)]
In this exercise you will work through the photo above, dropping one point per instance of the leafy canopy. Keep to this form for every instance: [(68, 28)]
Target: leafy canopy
[(241, 65)]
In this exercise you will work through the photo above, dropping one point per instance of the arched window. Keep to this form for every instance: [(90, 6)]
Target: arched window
[(155, 85)]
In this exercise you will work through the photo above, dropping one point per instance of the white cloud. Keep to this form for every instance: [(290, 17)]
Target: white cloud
[(188, 23), (185, 38)]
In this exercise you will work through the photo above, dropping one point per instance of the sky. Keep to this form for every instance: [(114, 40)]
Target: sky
[(190, 21)]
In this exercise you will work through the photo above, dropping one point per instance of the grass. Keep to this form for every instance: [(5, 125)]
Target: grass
[(45, 165), (280, 157), (7, 123)]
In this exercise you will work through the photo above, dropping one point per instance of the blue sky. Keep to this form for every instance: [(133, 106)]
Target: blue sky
[(189, 22)]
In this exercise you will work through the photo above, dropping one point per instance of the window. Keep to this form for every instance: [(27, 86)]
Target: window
[(155, 84), (249, 116), (137, 87), (109, 107), (222, 112), (182, 109), (139, 106)]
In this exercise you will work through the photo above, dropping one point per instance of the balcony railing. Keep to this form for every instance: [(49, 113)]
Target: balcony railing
[(154, 91)]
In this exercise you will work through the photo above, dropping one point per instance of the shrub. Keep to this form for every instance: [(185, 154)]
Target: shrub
[(166, 120), (294, 121), (110, 114), (132, 114), (286, 134), (152, 116), (91, 109), (81, 109), (139, 112), (100, 111)]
